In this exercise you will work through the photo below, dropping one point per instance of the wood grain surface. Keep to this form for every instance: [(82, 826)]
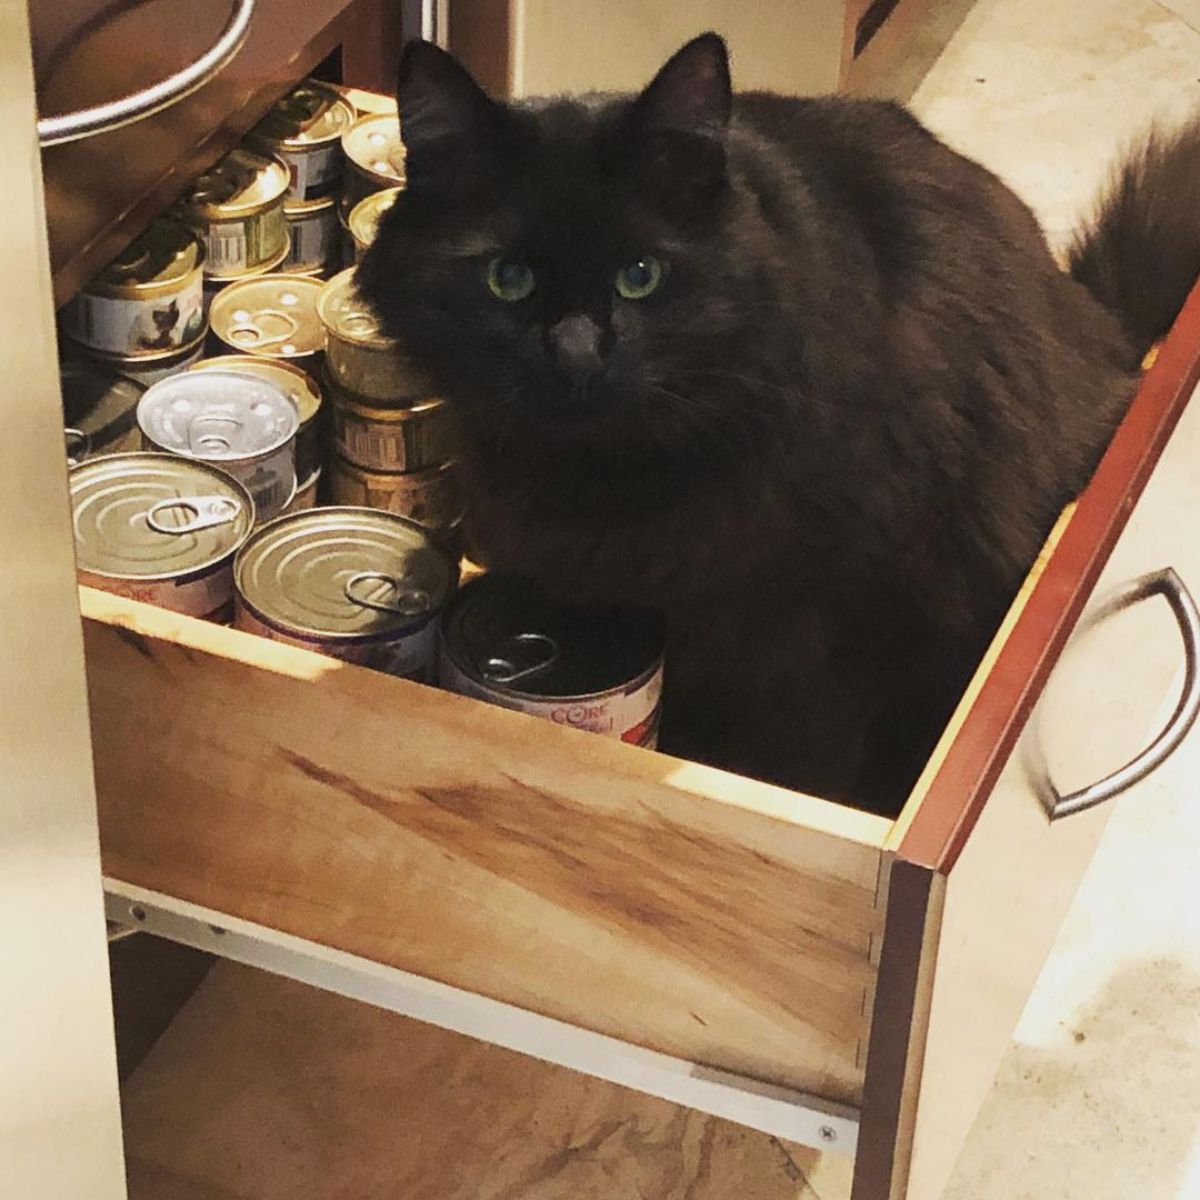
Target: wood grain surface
[(264, 1089), (676, 907)]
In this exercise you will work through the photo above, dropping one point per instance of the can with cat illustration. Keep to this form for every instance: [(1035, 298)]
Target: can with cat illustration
[(146, 302), (305, 394), (374, 158), (363, 221), (237, 207), (270, 316), (587, 668), (361, 586), (99, 411), (239, 422), (161, 529), (396, 438), (360, 358), (431, 497), (314, 237), (304, 130)]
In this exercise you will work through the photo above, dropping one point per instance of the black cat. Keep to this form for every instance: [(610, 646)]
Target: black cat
[(790, 370)]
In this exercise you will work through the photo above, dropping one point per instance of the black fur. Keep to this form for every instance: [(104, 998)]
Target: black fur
[(828, 447)]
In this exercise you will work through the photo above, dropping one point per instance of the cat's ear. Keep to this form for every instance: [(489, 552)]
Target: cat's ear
[(443, 111), (677, 131), (692, 93)]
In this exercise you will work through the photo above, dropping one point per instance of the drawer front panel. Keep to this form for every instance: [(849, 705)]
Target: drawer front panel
[(1114, 687), (666, 904)]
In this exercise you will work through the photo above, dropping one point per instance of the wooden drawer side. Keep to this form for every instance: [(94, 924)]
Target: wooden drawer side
[(674, 907)]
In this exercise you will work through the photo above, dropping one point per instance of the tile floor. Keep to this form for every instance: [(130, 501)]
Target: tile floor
[(1099, 1096)]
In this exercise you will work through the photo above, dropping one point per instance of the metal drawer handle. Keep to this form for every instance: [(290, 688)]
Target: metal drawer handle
[(88, 122), (1165, 583)]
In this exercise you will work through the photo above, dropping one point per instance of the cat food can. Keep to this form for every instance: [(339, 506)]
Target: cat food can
[(148, 301), (314, 238), (214, 285), (374, 158), (304, 130), (593, 669), (270, 316), (99, 411), (408, 438), (242, 423), (305, 395), (159, 528), (363, 222), (431, 497), (237, 206), (360, 358), (362, 586), (149, 370), (367, 103)]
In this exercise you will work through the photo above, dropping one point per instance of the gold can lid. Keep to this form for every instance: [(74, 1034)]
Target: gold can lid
[(353, 573), (365, 216), (366, 102), (165, 254), (300, 386), (345, 314), (241, 184), (310, 115), (373, 144), (155, 516), (270, 316)]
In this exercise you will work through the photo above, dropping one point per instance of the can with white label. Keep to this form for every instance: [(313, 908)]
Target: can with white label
[(304, 130), (146, 303), (596, 669), (161, 529), (315, 237), (239, 422), (362, 586), (237, 207)]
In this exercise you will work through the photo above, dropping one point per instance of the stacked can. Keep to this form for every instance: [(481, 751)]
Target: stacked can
[(374, 157), (236, 207), (304, 130), (394, 444), (143, 316)]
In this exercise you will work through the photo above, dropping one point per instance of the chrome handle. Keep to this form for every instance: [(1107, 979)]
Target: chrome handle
[(1170, 587), (88, 122)]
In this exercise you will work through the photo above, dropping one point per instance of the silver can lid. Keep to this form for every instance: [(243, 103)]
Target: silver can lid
[(220, 416), (155, 516), (504, 633), (343, 573)]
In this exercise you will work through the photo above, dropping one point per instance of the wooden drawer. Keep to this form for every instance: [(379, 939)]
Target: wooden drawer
[(768, 956)]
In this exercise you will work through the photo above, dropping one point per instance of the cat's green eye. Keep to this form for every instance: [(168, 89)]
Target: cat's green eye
[(508, 280), (636, 280)]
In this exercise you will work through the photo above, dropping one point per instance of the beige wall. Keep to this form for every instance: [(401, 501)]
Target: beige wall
[(576, 45)]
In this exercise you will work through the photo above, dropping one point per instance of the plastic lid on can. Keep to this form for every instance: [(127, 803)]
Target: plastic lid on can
[(159, 259), (99, 407), (219, 416), (241, 184), (299, 385), (311, 114), (365, 216), (343, 573), (505, 634), (347, 316), (269, 316), (373, 145), (155, 516)]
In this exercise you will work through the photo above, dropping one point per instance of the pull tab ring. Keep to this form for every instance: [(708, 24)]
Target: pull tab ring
[(259, 336), (200, 512), (386, 593), (527, 654), (78, 445)]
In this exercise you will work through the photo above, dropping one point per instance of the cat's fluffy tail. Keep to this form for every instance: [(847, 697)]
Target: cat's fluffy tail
[(1140, 253)]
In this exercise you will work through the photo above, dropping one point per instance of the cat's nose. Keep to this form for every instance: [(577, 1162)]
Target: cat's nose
[(577, 344)]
